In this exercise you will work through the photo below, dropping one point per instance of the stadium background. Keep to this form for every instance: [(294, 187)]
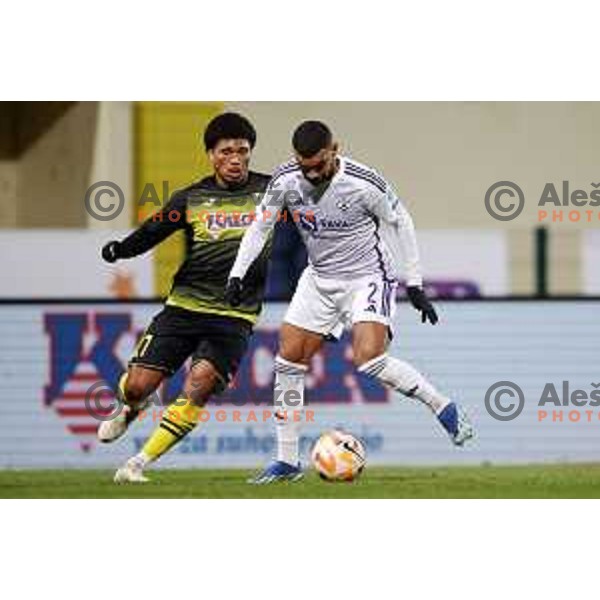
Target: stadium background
[(68, 321)]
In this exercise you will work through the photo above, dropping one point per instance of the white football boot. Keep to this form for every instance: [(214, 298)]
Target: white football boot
[(110, 431), (456, 422), (131, 472), (465, 430)]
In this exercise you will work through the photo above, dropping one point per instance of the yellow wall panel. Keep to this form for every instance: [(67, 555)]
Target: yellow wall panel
[(169, 148)]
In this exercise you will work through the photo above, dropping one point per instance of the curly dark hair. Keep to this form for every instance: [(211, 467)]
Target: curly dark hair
[(229, 126)]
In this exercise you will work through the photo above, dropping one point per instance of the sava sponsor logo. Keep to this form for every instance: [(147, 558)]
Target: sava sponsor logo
[(333, 224), (313, 224)]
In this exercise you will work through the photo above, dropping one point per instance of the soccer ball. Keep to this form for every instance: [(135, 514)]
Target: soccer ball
[(338, 456)]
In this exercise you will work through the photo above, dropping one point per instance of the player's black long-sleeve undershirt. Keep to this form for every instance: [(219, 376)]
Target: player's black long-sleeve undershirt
[(154, 230)]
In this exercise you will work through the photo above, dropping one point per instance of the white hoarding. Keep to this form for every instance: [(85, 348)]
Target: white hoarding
[(38, 260), (591, 262), (67, 264), (51, 354)]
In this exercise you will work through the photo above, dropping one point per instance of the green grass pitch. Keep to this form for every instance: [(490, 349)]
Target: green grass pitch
[(556, 481)]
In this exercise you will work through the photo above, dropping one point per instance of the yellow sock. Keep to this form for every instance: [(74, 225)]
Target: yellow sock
[(121, 387), (178, 420)]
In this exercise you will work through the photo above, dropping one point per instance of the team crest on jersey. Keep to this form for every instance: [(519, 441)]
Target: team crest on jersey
[(343, 204)]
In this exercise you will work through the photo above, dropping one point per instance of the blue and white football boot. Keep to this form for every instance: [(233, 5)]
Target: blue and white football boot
[(278, 471), (455, 421)]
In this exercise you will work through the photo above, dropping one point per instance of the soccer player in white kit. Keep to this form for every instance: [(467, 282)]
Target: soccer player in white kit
[(360, 239)]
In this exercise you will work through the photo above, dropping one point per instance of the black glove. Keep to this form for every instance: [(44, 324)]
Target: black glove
[(419, 300), (111, 253), (233, 291)]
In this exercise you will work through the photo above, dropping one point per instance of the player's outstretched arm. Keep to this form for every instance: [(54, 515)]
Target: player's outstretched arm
[(149, 234), (251, 246), (398, 233)]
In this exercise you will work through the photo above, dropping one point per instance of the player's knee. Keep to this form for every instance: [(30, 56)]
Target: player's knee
[(361, 356), (369, 341), (139, 385), (202, 381), (297, 347), (291, 350), (292, 354)]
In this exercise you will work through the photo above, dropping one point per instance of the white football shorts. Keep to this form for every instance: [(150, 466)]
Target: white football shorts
[(328, 306)]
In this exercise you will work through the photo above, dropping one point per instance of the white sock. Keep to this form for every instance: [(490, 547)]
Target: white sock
[(142, 459), (288, 396), (400, 376)]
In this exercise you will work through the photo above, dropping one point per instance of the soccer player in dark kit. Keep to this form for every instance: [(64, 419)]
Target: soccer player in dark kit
[(196, 320)]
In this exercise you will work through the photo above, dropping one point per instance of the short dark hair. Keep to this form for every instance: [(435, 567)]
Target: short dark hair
[(229, 126), (310, 137)]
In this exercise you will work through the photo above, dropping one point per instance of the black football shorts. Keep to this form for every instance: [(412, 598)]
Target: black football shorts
[(175, 334)]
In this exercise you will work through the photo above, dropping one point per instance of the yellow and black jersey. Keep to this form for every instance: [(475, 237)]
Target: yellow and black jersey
[(214, 220)]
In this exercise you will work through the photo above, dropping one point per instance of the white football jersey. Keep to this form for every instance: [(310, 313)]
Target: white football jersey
[(356, 228)]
